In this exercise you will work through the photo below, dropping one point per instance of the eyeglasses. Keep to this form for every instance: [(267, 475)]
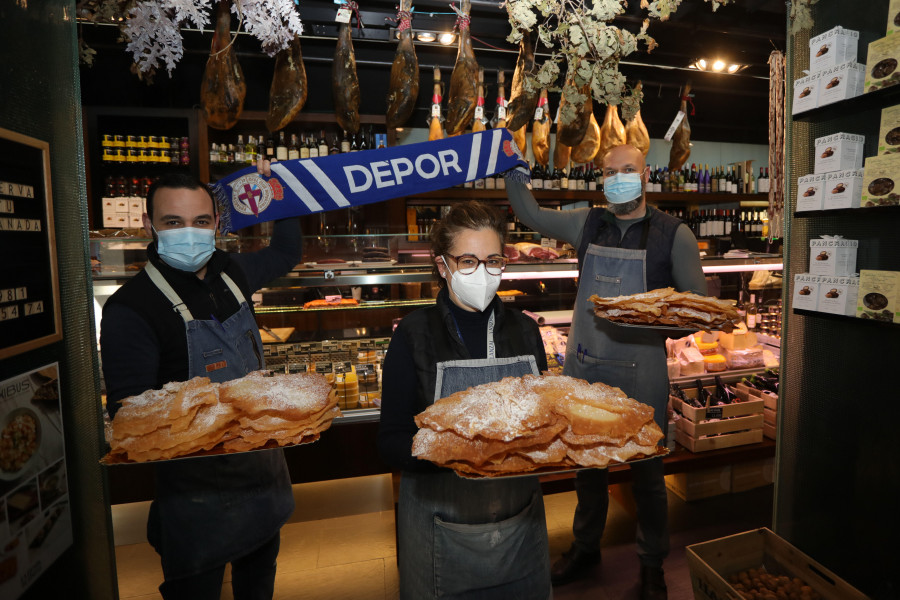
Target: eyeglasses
[(468, 263)]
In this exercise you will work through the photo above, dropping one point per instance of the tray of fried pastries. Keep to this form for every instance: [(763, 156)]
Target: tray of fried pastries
[(668, 311), (196, 418), (533, 425)]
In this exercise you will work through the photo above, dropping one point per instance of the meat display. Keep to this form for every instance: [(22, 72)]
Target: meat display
[(521, 102), (612, 133), (589, 145), (681, 141), (540, 133), (479, 123), (223, 89), (536, 251), (463, 81), (345, 83), (636, 132), (404, 85), (572, 133), (435, 125), (289, 89)]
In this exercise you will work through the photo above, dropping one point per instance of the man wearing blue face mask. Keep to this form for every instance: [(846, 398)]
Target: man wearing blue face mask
[(188, 314), (625, 248)]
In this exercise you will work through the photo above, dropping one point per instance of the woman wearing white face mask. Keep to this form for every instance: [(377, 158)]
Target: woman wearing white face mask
[(462, 538)]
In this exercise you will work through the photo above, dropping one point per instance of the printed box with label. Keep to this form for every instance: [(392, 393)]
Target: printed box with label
[(832, 256), (893, 18), (839, 152), (806, 291), (881, 63), (889, 133), (837, 295), (843, 189), (879, 295), (880, 179), (806, 94), (811, 192), (831, 48), (841, 82)]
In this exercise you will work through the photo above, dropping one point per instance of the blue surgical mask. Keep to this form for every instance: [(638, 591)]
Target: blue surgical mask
[(622, 187), (186, 248)]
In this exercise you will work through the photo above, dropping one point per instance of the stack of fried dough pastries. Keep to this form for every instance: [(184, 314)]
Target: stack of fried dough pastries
[(243, 414), (665, 306), (520, 424)]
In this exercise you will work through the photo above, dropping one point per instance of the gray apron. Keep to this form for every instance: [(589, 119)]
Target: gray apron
[(598, 350), (473, 539), (210, 511)]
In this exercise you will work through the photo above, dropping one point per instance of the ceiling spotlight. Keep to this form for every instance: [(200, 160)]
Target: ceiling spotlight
[(733, 68), (701, 64), (447, 38), (718, 65), (426, 36)]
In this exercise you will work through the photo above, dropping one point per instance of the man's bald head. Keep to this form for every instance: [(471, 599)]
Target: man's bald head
[(620, 156)]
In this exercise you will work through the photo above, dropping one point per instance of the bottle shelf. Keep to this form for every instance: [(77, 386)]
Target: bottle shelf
[(655, 198)]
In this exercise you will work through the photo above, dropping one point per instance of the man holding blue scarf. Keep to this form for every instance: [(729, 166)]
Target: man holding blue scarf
[(623, 249), (188, 314)]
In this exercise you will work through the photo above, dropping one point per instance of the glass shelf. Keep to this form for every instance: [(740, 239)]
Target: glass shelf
[(845, 318)]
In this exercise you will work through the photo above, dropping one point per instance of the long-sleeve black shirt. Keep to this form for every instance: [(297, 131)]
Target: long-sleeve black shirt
[(143, 342)]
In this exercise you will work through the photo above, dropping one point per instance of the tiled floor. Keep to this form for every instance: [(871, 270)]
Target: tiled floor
[(353, 556)]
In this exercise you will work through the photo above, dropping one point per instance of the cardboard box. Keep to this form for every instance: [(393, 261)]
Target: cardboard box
[(889, 132), (879, 295), (832, 256), (695, 485), (882, 62), (806, 94), (806, 292), (841, 82), (837, 295), (879, 184), (893, 17), (843, 189), (712, 562), (753, 474), (835, 46), (810, 192), (839, 152)]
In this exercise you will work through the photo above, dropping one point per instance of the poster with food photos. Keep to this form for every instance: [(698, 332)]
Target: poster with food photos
[(35, 521)]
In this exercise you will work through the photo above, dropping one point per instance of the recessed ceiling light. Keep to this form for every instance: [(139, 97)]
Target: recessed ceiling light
[(447, 38), (733, 68), (701, 64), (426, 36), (718, 65)]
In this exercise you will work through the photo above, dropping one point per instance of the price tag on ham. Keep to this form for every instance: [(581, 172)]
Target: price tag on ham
[(678, 119), (343, 15)]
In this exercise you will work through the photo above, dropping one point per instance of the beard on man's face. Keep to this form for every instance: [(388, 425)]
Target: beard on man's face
[(625, 207)]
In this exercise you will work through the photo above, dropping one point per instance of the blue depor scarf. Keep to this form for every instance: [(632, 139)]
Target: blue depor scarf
[(310, 185)]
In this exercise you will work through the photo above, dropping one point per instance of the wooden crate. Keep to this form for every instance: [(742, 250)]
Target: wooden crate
[(704, 429), (770, 401), (752, 474), (712, 562), (695, 485)]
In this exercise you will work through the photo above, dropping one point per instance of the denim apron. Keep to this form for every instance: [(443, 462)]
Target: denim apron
[(472, 539), (635, 361), (210, 511)]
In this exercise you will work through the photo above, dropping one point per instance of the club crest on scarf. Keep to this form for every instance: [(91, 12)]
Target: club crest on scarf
[(251, 194)]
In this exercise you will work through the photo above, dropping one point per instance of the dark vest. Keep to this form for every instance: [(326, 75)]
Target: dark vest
[(601, 229), (432, 337)]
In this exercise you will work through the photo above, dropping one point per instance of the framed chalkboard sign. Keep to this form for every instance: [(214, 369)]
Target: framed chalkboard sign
[(29, 286)]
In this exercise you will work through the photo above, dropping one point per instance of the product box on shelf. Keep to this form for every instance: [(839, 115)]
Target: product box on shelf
[(893, 18), (837, 295), (832, 256), (881, 63), (843, 189), (879, 295), (806, 291), (714, 563), (704, 429), (841, 82), (880, 178), (889, 132), (806, 94), (835, 46), (810, 192), (839, 152)]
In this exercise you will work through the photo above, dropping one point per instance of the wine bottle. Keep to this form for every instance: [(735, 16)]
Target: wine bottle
[(239, 150), (335, 146), (752, 311), (537, 177), (323, 145), (724, 392), (704, 398), (304, 146), (293, 148), (281, 149), (345, 143), (313, 146)]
